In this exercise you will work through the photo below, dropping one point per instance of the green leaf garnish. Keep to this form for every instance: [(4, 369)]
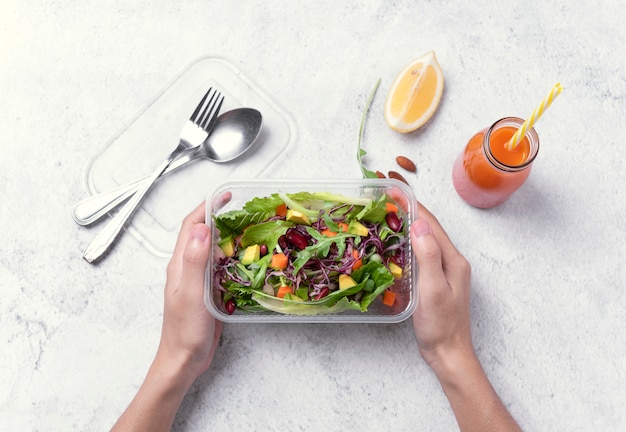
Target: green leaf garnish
[(360, 152)]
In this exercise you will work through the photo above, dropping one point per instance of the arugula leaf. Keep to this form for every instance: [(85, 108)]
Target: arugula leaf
[(320, 248), (360, 152), (330, 223)]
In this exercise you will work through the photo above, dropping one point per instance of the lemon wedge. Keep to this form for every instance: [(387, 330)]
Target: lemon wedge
[(415, 94)]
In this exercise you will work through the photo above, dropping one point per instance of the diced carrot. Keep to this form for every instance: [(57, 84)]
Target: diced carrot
[(391, 207), (389, 298), (359, 262), (283, 290), (343, 226), (279, 261), (329, 233), (281, 210)]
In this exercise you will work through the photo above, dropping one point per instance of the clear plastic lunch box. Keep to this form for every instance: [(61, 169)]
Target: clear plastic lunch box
[(232, 195)]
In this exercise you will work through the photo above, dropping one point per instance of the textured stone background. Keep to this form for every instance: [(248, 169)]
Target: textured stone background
[(548, 266)]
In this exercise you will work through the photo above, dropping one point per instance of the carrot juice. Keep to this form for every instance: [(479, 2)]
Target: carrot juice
[(487, 173)]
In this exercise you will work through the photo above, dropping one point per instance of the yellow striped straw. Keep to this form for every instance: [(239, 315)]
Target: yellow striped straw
[(538, 112)]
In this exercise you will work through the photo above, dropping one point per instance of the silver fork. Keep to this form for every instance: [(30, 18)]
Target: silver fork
[(193, 134)]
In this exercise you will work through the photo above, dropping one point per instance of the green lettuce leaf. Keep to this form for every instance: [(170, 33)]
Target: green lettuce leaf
[(232, 223), (263, 205), (310, 203), (301, 308), (294, 203), (376, 272), (374, 211), (341, 199), (266, 233)]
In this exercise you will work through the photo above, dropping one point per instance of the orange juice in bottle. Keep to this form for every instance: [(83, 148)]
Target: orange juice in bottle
[(487, 173)]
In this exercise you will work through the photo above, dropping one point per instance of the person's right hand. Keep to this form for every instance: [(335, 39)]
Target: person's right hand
[(442, 317), (442, 328)]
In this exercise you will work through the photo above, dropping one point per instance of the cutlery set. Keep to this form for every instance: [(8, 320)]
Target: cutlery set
[(205, 135)]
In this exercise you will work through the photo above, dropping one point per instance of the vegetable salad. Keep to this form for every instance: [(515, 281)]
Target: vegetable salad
[(310, 253)]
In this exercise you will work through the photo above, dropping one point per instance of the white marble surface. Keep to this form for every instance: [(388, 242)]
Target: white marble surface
[(548, 266)]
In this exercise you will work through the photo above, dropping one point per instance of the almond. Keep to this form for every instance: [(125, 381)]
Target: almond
[(380, 175), (397, 176), (406, 163)]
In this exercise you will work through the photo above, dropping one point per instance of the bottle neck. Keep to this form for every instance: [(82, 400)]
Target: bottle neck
[(515, 123)]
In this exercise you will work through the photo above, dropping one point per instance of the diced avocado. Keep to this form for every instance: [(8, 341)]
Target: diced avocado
[(358, 228), (395, 270), (297, 217), (228, 246), (251, 254), (346, 281)]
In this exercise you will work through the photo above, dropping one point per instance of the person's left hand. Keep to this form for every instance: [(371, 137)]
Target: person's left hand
[(190, 334)]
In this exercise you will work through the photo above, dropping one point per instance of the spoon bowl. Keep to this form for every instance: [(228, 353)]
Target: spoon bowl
[(234, 134)]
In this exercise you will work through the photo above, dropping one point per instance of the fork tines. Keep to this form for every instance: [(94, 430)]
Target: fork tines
[(210, 109)]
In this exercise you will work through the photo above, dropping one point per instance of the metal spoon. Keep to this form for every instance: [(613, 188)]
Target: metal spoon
[(234, 133)]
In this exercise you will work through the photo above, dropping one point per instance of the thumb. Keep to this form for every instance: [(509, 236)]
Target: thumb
[(427, 251), (196, 254), (428, 255)]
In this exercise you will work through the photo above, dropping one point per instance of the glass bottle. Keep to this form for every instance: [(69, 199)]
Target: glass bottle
[(486, 173)]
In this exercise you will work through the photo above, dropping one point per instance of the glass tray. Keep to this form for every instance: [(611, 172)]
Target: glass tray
[(147, 140)]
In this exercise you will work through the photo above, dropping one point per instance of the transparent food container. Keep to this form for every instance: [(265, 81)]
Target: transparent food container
[(231, 197)]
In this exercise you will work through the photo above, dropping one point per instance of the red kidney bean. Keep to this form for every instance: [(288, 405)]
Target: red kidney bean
[(230, 307), (296, 239), (304, 234), (393, 221), (263, 249), (282, 242), (323, 293)]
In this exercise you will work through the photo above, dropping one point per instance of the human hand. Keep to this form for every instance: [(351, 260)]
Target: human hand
[(442, 328), (442, 317), (190, 334)]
